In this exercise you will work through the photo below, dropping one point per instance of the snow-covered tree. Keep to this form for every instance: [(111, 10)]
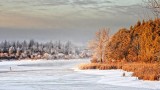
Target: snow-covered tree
[(98, 45), (33, 49)]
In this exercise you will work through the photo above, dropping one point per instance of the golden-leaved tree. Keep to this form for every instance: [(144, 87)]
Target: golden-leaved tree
[(119, 44), (140, 43)]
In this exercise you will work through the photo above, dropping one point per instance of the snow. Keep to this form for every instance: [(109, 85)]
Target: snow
[(116, 78), (64, 75)]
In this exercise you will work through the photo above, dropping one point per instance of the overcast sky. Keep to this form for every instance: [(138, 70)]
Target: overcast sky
[(74, 20)]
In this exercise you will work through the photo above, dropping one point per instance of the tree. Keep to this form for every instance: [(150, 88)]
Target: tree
[(98, 46), (33, 49), (24, 45), (11, 49), (119, 44), (154, 5), (68, 48), (31, 43), (141, 43)]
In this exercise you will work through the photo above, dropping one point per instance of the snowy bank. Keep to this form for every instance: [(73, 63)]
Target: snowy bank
[(115, 77)]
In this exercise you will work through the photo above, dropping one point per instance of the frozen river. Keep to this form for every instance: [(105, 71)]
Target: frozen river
[(64, 75)]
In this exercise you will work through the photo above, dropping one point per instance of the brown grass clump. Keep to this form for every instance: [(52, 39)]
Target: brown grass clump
[(110, 66), (89, 66), (144, 71), (100, 66), (94, 60)]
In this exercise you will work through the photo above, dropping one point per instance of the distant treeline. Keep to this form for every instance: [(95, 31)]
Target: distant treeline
[(35, 50)]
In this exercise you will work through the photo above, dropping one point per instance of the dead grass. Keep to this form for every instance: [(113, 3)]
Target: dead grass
[(145, 71), (89, 66)]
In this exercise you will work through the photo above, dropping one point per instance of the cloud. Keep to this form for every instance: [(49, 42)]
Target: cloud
[(64, 18), (84, 2), (52, 3), (22, 21), (94, 13)]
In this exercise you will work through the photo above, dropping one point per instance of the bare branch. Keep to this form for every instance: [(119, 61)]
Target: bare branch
[(153, 5)]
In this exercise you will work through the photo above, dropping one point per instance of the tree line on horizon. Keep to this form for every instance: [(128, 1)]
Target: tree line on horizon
[(35, 50)]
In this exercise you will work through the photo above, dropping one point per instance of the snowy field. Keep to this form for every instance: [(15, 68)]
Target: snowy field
[(64, 75)]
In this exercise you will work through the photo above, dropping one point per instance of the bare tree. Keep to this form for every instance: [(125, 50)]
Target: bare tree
[(98, 45), (154, 5)]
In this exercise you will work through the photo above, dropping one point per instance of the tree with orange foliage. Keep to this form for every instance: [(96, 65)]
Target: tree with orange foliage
[(140, 43), (119, 44)]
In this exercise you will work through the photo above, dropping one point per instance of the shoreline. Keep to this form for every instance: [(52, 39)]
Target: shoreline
[(115, 77)]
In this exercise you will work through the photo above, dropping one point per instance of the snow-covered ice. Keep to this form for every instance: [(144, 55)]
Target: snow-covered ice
[(64, 75)]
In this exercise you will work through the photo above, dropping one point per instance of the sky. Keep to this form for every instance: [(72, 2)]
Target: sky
[(73, 20)]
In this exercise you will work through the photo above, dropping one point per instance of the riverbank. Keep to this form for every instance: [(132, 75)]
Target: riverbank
[(144, 71)]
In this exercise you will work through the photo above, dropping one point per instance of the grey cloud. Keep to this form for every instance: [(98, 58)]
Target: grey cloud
[(107, 2), (132, 10), (118, 9), (38, 2), (84, 2), (52, 3), (74, 3), (79, 24), (90, 2)]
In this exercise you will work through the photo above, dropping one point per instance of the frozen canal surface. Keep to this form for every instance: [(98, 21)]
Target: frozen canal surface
[(64, 75)]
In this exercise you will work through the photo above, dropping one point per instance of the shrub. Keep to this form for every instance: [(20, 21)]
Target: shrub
[(94, 60)]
